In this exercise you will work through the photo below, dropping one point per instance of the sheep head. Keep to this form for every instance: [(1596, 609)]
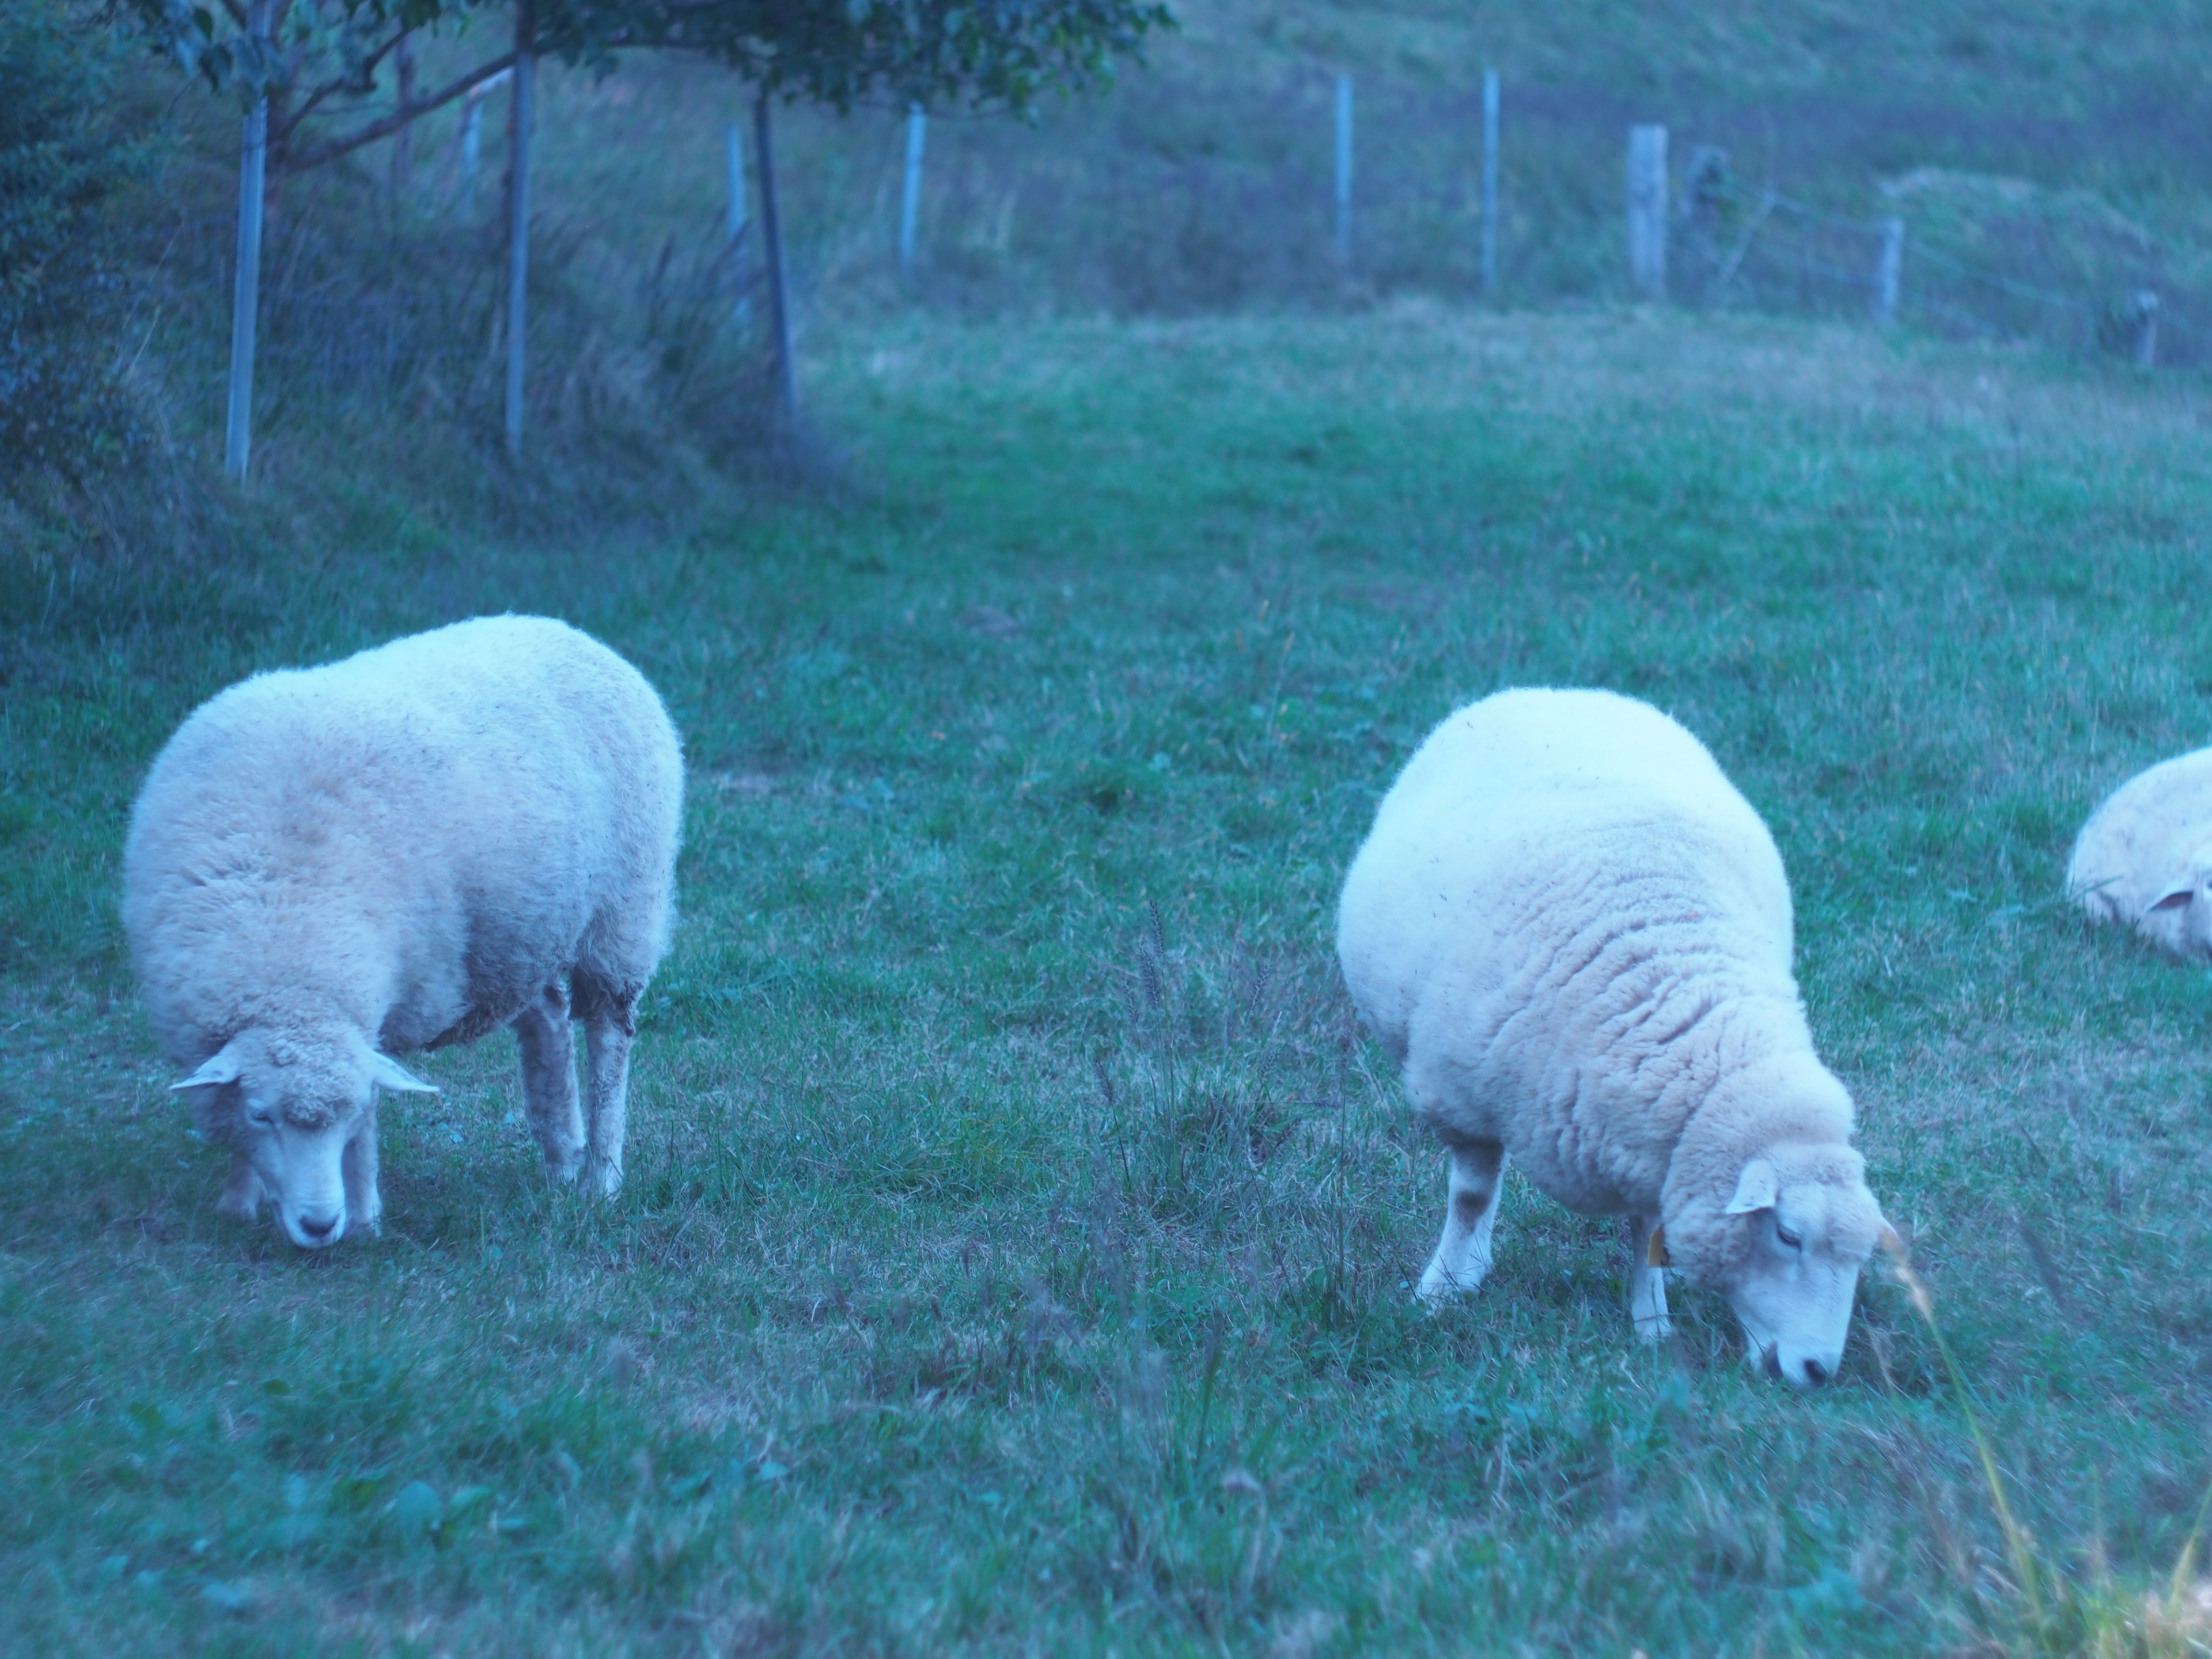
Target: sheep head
[(1786, 1248), (290, 1104), (2179, 919)]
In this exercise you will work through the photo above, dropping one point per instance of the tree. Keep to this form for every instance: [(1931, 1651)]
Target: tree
[(292, 60), (317, 57)]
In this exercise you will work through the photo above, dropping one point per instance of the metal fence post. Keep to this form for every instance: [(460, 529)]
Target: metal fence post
[(245, 292), (471, 139), (1489, 182), (1647, 211), (917, 127), (1344, 169)]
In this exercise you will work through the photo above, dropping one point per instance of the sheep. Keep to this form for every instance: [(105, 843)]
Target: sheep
[(330, 867), (2145, 857), (1574, 936)]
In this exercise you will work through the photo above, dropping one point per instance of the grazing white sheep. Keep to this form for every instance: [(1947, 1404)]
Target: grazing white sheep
[(331, 867), (1574, 935), (2144, 859)]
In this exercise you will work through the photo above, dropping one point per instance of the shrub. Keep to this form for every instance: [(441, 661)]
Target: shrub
[(62, 154)]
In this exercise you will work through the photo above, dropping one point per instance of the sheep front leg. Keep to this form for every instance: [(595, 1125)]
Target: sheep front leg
[(1463, 1257), (548, 1081), (610, 1017), (241, 1191), (1647, 1284), (357, 1167)]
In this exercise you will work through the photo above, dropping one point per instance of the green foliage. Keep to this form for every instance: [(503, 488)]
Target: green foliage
[(217, 43), (1001, 54), (984, 53), (63, 152)]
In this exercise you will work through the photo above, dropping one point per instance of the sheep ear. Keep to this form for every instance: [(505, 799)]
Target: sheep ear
[(218, 1068), (1654, 1249), (1887, 1240), (1754, 1189), (2174, 897), (391, 1074)]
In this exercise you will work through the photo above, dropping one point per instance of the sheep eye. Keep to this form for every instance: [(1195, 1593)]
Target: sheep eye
[(1788, 1237)]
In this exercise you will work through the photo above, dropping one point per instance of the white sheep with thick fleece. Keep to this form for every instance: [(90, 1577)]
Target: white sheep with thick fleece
[(2144, 859), (1575, 936), (328, 867)]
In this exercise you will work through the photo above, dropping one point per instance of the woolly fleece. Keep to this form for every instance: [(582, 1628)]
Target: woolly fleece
[(398, 851), (2144, 859), (1576, 937)]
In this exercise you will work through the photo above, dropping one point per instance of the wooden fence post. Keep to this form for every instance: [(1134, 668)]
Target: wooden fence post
[(246, 291), (1490, 183), (917, 127), (778, 292), (1344, 169), (1889, 270), (518, 207), (2146, 312), (1647, 211)]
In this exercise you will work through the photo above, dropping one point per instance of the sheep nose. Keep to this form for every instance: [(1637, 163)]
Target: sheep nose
[(318, 1227), (1770, 1361), (1815, 1373)]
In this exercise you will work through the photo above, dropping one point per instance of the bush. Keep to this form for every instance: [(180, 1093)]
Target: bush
[(62, 154)]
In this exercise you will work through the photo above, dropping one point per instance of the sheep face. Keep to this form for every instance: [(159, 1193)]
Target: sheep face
[(2179, 919), (291, 1109), (1802, 1224)]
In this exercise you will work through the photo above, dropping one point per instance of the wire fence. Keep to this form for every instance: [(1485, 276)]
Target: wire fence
[(1288, 192), (1796, 257)]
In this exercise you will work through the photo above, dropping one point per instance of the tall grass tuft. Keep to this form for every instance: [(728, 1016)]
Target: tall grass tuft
[(2056, 1611)]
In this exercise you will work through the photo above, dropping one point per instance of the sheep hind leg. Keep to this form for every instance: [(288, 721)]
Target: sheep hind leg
[(1463, 1257), (548, 1081), (1647, 1285), (610, 1019)]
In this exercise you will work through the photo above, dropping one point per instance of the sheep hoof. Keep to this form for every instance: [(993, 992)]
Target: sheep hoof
[(1438, 1286), (1652, 1332), (602, 1180)]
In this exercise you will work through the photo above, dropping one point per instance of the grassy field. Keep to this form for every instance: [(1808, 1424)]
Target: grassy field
[(1016, 1251)]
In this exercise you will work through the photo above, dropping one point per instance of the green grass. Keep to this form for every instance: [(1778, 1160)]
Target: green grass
[(1016, 1251)]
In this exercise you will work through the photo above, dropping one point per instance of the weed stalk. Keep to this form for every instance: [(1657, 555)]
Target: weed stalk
[(2018, 1544)]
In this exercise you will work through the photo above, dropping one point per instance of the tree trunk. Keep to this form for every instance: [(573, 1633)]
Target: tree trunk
[(518, 214), (779, 289), (402, 142)]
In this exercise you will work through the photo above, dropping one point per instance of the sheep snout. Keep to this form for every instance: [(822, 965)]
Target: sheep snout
[(303, 1172), (1804, 1372), (1794, 1323)]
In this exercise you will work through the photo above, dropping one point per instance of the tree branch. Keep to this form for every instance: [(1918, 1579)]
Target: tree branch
[(398, 118), (336, 83)]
